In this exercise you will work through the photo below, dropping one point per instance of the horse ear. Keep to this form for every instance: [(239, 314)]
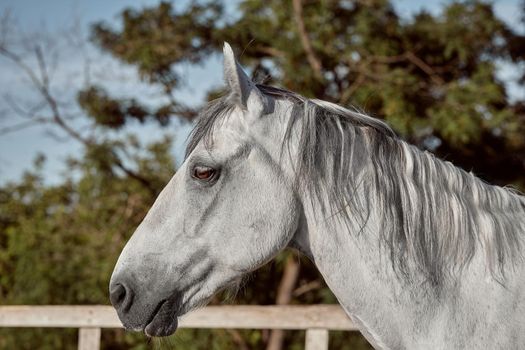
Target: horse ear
[(243, 90)]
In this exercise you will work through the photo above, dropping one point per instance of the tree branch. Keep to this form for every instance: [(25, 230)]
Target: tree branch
[(424, 67), (23, 125), (305, 288), (270, 51), (238, 339), (284, 296), (415, 60), (345, 96), (305, 40), (42, 86), (42, 65)]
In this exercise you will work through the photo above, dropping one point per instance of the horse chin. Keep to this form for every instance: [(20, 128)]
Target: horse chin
[(164, 320)]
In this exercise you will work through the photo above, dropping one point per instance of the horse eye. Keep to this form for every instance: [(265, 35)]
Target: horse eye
[(203, 173)]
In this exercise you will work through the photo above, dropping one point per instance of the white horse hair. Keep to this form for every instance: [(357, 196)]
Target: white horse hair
[(420, 254), (436, 211)]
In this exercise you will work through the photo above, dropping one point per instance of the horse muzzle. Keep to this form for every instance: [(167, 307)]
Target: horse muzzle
[(155, 319)]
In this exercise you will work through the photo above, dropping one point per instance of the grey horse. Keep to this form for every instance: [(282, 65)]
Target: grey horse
[(420, 254)]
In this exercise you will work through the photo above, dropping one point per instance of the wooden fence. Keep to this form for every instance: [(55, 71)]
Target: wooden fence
[(317, 320)]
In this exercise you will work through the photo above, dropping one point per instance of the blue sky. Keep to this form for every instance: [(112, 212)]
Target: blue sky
[(17, 150)]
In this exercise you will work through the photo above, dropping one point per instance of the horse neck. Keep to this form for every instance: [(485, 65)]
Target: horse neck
[(356, 265), (356, 273)]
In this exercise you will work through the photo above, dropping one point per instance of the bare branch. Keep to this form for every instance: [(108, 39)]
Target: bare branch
[(267, 50), (284, 296), (412, 58), (424, 67), (42, 65), (305, 40), (238, 339), (42, 86), (388, 59), (6, 22), (24, 125), (345, 96), (29, 112), (305, 288), (51, 133), (17, 60)]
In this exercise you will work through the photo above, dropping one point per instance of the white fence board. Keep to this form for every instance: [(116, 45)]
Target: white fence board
[(89, 339), (240, 317), (316, 339)]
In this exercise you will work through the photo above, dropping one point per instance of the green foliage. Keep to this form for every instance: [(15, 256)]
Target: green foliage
[(59, 243), (151, 39), (432, 77), (113, 113)]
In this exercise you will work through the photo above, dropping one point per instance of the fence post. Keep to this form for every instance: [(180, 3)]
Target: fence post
[(89, 339), (316, 339)]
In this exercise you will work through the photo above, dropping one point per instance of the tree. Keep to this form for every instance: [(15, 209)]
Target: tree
[(432, 77)]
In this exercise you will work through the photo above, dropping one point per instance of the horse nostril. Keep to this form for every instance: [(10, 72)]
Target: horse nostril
[(117, 295), (121, 297)]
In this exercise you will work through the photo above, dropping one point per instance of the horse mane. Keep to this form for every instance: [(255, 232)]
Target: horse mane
[(435, 215)]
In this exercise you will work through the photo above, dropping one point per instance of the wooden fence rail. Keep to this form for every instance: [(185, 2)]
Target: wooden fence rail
[(317, 320)]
